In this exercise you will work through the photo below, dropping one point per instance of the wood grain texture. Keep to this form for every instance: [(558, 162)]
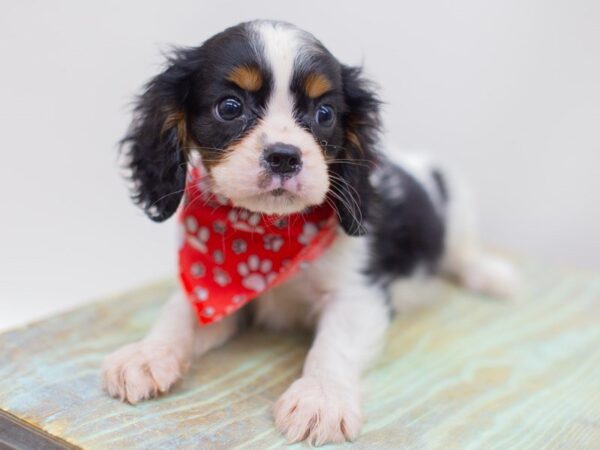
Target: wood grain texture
[(464, 373)]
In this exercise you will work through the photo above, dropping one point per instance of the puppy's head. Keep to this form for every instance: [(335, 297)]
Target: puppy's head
[(279, 124)]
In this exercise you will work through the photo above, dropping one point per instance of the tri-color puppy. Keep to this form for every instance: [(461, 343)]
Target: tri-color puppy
[(266, 88)]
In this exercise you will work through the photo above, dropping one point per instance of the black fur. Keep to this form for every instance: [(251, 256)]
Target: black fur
[(357, 106), (358, 156), (406, 229), (193, 82), (233, 47), (156, 155)]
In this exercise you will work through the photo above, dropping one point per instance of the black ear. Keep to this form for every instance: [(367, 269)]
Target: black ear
[(155, 143), (353, 165)]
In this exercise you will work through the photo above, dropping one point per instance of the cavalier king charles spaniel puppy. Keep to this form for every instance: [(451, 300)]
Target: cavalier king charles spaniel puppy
[(291, 215)]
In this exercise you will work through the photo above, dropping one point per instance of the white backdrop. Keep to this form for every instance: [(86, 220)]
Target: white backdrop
[(507, 91)]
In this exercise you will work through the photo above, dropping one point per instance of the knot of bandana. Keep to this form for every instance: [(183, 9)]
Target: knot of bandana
[(228, 256)]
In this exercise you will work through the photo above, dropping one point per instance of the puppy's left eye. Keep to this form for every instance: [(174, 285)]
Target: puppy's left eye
[(325, 115), (229, 108)]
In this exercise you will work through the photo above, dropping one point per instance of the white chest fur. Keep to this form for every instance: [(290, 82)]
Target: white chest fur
[(297, 302)]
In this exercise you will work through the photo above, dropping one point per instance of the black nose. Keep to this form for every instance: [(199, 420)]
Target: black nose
[(283, 159)]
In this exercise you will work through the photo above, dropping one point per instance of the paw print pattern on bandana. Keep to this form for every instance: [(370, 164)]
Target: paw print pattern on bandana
[(244, 220), (256, 274), (239, 246), (221, 277), (273, 242), (237, 301), (219, 227), (309, 231), (197, 236), (191, 224), (197, 270), (208, 311), (281, 223), (218, 256), (229, 256), (201, 294)]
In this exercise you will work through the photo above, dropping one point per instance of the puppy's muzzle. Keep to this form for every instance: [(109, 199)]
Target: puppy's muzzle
[(282, 159)]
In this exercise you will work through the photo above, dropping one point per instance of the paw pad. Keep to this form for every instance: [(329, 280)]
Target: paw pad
[(218, 256), (256, 274), (221, 277), (245, 220), (201, 294), (273, 242), (197, 237), (198, 270), (309, 231), (239, 246)]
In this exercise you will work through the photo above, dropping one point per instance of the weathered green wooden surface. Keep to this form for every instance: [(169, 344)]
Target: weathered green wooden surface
[(465, 373)]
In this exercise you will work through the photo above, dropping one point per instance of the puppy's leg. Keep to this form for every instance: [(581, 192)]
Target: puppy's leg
[(144, 369), (323, 405), (464, 259)]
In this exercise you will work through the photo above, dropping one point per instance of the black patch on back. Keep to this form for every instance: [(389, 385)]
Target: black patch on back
[(406, 231)]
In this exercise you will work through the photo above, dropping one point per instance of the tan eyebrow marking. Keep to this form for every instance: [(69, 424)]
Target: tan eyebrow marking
[(248, 78), (176, 119), (316, 84), (353, 138)]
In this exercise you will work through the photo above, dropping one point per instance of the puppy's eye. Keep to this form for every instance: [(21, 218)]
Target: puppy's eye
[(325, 115), (229, 108)]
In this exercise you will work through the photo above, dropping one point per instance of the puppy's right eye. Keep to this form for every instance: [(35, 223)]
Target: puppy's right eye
[(229, 108), (325, 116)]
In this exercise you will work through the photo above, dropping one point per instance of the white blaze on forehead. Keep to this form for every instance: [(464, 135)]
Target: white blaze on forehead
[(281, 43)]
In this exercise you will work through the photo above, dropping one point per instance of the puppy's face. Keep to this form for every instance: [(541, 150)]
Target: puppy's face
[(279, 123), (267, 117)]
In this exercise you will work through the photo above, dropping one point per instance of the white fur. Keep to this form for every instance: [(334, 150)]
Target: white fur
[(281, 43), (350, 317), (150, 367)]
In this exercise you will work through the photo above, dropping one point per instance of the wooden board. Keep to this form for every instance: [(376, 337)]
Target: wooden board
[(466, 373)]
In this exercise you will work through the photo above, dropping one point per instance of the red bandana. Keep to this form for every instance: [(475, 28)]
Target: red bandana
[(229, 256)]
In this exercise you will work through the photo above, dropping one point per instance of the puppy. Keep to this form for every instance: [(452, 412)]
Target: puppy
[(269, 146)]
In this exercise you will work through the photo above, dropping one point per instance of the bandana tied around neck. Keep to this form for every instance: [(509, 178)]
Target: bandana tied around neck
[(228, 256)]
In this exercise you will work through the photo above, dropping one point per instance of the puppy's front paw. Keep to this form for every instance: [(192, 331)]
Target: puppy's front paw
[(319, 411), (142, 370)]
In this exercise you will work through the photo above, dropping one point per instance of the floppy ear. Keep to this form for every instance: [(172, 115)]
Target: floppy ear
[(361, 124), (155, 143)]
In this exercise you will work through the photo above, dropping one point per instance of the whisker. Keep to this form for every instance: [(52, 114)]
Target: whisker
[(346, 183), (349, 201), (337, 180), (345, 205)]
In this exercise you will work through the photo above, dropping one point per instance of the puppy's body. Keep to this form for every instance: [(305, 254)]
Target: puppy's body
[(398, 221)]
